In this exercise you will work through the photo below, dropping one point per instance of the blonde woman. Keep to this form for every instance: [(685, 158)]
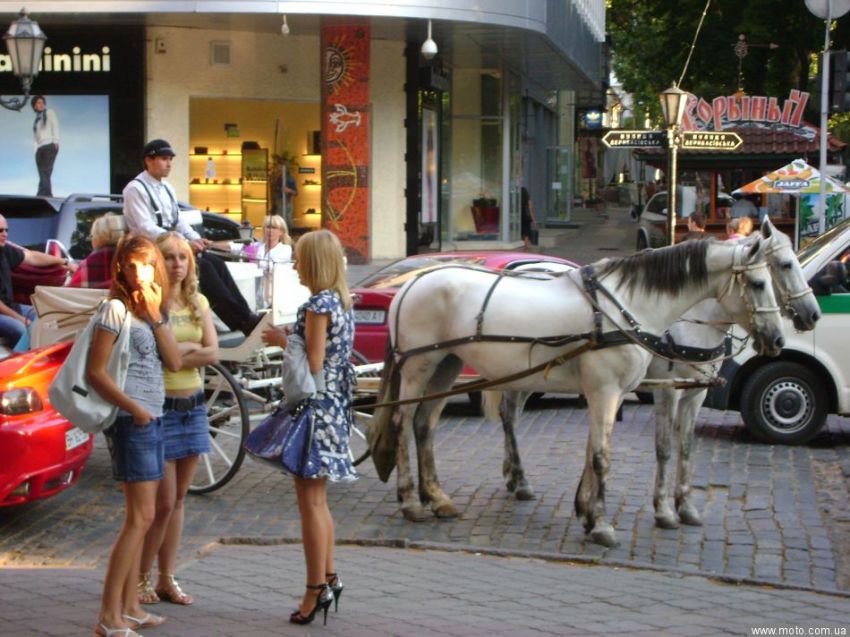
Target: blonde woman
[(184, 421), (275, 247), (326, 324)]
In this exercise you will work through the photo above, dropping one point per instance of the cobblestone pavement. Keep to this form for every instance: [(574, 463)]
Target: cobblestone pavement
[(777, 515), (774, 514), (249, 592)]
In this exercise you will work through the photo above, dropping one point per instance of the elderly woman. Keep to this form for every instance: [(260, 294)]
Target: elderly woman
[(93, 271)]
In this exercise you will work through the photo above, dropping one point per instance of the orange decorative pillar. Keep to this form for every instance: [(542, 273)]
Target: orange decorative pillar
[(345, 135)]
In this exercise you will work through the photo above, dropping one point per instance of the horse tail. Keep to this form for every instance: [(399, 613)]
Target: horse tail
[(490, 401), (383, 436)]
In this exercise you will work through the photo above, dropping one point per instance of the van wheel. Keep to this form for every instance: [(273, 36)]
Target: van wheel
[(641, 242), (784, 403)]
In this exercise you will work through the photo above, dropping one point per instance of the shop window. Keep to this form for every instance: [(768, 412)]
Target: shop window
[(472, 157)]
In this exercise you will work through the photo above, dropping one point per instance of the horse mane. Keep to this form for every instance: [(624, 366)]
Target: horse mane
[(666, 270)]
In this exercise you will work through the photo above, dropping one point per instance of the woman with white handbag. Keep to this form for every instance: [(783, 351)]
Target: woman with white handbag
[(139, 286)]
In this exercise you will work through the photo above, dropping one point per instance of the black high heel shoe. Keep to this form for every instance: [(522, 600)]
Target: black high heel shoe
[(336, 588), (323, 601)]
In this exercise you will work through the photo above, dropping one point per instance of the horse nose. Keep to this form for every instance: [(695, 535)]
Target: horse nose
[(779, 342), (815, 317)]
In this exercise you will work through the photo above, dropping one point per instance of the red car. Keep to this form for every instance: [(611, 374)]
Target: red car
[(41, 453), (374, 294)]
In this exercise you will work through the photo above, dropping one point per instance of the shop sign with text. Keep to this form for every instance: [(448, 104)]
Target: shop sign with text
[(730, 111)]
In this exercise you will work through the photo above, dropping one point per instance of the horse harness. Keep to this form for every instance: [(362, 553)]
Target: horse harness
[(664, 346)]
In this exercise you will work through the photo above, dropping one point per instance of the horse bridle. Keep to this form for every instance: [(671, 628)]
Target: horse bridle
[(738, 277), (785, 296)]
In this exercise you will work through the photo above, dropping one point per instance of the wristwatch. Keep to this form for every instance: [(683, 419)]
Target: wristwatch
[(157, 324)]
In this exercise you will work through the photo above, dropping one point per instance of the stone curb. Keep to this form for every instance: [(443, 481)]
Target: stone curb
[(548, 556)]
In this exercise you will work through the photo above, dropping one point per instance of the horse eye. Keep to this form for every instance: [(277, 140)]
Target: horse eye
[(759, 285), (786, 265)]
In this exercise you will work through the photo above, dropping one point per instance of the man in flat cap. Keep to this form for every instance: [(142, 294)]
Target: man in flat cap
[(151, 209)]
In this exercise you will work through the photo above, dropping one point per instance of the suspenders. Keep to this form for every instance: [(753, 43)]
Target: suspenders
[(159, 217)]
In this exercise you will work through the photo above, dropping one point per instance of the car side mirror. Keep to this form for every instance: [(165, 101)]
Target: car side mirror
[(832, 278)]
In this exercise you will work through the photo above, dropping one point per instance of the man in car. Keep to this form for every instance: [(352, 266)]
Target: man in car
[(14, 317), (151, 209)]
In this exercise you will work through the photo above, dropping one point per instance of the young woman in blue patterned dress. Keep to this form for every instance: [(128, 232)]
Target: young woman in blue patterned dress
[(326, 323)]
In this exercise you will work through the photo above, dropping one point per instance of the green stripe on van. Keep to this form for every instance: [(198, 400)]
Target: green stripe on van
[(835, 304)]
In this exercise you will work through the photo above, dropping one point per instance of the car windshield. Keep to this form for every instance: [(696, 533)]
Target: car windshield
[(396, 274), (804, 255)]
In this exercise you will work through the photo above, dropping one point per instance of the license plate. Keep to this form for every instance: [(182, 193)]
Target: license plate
[(370, 317), (75, 437)]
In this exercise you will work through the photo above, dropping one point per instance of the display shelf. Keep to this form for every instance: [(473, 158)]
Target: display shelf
[(236, 185), (239, 155)]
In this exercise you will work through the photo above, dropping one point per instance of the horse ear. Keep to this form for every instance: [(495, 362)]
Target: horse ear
[(755, 248), (767, 228)]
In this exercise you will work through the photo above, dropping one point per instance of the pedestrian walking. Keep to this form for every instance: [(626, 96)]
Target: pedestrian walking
[(185, 426), (139, 286), (326, 325)]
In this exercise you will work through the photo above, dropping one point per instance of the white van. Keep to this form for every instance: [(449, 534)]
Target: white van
[(787, 399)]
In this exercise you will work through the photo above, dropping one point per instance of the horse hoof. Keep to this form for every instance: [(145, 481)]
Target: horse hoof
[(525, 493), (445, 510), (688, 515), (666, 521), (413, 513), (605, 537)]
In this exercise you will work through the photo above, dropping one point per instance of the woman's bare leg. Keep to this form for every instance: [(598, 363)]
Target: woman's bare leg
[(315, 534), (122, 570)]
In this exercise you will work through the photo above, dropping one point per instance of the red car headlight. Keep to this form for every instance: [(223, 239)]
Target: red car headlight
[(21, 400)]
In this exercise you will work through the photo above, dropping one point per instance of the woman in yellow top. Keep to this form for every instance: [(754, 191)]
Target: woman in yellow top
[(184, 420)]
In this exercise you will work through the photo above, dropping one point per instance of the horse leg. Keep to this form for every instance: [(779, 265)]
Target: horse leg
[(602, 409), (666, 408), (586, 491), (687, 510), (424, 425), (510, 410), (414, 379), (411, 507)]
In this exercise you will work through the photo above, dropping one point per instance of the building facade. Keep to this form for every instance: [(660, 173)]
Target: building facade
[(340, 122)]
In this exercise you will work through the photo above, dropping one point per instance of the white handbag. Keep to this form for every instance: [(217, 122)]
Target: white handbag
[(70, 392)]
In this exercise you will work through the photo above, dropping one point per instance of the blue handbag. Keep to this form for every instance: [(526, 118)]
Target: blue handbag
[(284, 440)]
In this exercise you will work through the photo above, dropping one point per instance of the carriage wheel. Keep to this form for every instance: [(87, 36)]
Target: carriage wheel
[(358, 445), (228, 428)]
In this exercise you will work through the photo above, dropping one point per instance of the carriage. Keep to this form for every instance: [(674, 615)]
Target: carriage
[(245, 383)]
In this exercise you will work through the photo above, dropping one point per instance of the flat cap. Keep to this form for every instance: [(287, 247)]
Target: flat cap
[(157, 147)]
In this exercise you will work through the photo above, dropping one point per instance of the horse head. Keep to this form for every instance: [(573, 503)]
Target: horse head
[(749, 299), (796, 299)]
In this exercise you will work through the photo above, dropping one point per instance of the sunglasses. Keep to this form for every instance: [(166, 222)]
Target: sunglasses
[(4, 230)]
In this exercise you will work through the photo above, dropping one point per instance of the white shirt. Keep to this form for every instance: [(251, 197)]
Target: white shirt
[(140, 209), (46, 132), (281, 253)]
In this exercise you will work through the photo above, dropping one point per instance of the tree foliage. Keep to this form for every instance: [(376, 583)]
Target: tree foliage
[(650, 40)]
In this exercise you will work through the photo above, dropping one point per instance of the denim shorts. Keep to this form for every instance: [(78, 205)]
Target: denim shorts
[(186, 433), (136, 450)]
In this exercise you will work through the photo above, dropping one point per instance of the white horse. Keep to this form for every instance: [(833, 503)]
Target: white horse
[(504, 325), (699, 335), (676, 409)]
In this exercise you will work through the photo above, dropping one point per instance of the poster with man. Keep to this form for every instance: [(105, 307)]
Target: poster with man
[(55, 146)]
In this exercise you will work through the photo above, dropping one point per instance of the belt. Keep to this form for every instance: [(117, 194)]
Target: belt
[(184, 403)]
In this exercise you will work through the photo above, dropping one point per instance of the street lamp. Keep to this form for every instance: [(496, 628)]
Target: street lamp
[(25, 42), (673, 103)]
